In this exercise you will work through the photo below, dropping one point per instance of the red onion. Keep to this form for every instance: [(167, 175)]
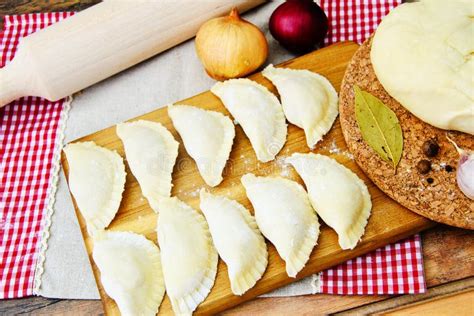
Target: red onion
[(299, 25)]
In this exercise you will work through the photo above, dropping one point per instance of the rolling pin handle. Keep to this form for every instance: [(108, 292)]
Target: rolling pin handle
[(10, 85)]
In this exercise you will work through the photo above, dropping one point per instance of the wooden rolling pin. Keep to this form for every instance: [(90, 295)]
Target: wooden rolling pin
[(102, 41)]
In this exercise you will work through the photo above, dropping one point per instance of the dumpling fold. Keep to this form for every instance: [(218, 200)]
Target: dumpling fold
[(285, 217), (207, 137), (130, 271), (259, 113), (237, 240), (96, 180), (339, 196), (151, 152), (308, 99), (188, 255)]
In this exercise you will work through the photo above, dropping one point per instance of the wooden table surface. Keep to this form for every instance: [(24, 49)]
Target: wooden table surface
[(448, 259)]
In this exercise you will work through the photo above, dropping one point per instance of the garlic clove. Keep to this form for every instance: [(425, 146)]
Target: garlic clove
[(465, 175), (465, 170)]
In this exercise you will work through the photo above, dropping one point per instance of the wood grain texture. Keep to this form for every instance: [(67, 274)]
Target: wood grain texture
[(452, 304), (389, 221), (49, 306), (395, 304), (448, 254)]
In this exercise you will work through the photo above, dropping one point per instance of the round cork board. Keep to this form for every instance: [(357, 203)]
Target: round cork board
[(435, 194)]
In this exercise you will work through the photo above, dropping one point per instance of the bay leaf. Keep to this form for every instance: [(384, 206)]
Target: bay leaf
[(379, 126)]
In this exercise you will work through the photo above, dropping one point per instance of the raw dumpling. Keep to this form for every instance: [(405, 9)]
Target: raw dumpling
[(130, 271), (308, 99), (237, 239), (207, 137), (151, 153), (339, 196), (97, 180), (188, 256), (258, 112), (285, 217)]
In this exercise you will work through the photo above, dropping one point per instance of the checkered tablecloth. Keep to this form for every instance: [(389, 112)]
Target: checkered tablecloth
[(29, 150), (354, 20), (30, 143), (393, 269)]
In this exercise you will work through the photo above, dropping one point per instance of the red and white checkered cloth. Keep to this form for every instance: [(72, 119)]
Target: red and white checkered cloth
[(354, 20), (29, 136), (28, 141), (393, 269)]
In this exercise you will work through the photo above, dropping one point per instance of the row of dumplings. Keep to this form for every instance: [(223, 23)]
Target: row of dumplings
[(307, 99), (189, 241), (135, 275)]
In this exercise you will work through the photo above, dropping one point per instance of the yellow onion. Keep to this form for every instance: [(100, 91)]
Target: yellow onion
[(230, 47)]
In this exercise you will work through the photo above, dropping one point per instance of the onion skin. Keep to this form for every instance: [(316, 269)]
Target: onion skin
[(230, 47), (299, 25)]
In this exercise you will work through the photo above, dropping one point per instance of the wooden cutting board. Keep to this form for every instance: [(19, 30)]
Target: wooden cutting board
[(389, 221)]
